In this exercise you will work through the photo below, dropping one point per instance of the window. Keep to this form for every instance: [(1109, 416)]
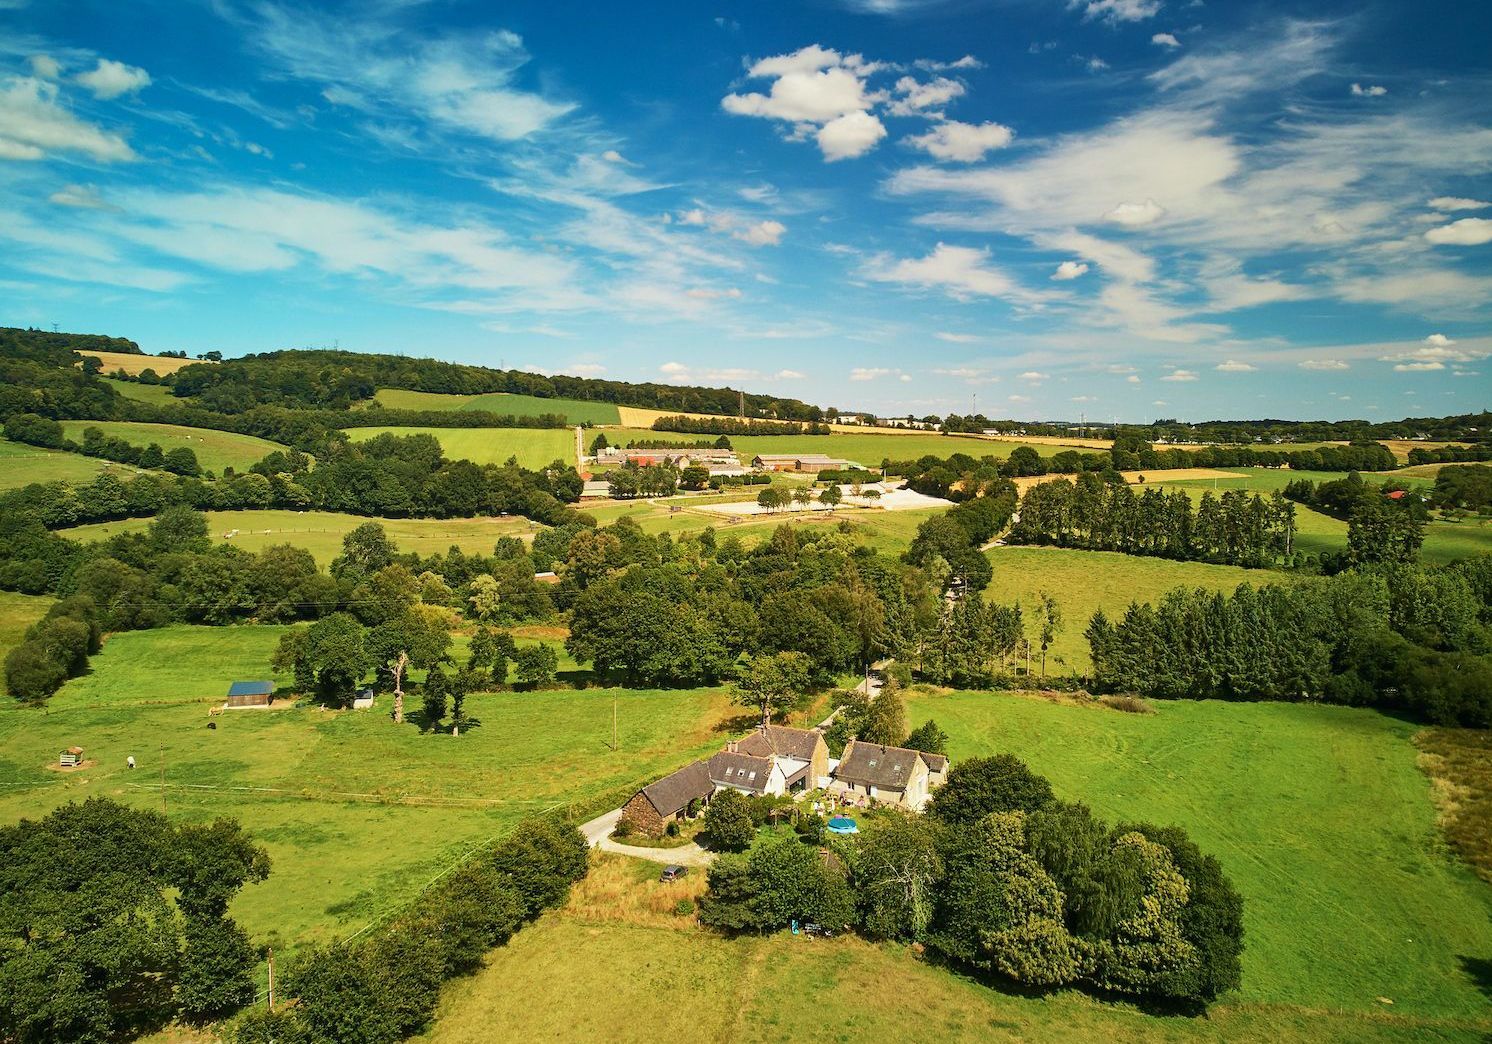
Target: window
[(753, 774)]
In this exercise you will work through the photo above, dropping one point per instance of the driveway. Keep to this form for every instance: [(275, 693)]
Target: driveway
[(598, 835)]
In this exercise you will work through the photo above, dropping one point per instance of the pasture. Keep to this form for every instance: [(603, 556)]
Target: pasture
[(134, 365), (18, 612), (1086, 581), (576, 411), (215, 450), (357, 813), (863, 446), (21, 465), (1317, 813), (534, 447), (321, 532), (155, 394)]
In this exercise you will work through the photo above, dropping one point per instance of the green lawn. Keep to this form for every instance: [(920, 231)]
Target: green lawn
[(1086, 581), (576, 411), (321, 532), (21, 465), (1319, 815), (215, 450), (357, 813), (534, 447), (158, 394)]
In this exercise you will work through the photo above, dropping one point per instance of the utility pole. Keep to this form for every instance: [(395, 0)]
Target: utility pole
[(271, 978)]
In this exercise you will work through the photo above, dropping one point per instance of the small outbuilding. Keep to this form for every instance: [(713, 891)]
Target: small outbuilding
[(363, 700), (72, 757), (243, 695)]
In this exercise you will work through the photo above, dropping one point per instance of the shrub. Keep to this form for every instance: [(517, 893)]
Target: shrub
[(541, 860), (729, 822), (1127, 704)]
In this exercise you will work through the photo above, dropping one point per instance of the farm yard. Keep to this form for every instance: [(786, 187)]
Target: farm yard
[(215, 450), (534, 447)]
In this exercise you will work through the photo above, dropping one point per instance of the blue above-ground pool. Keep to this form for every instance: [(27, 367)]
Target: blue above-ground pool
[(843, 825)]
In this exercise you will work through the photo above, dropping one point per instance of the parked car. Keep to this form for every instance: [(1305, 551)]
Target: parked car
[(672, 872)]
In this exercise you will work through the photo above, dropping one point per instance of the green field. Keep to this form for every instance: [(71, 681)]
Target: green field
[(21, 465), (357, 813), (1086, 581), (321, 532), (1318, 814), (534, 447), (868, 449), (157, 394), (215, 450), (17, 612), (576, 411)]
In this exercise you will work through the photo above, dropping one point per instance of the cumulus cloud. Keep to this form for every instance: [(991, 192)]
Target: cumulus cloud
[(35, 123), (1234, 366), (762, 233), (1132, 379), (1136, 215), (1458, 203), (1433, 353), (109, 79), (1035, 376), (1323, 364), (1070, 270), (1167, 40), (45, 67), (1371, 91), (1117, 11), (853, 134), (870, 373), (1466, 232), (1180, 376), (915, 97), (962, 142)]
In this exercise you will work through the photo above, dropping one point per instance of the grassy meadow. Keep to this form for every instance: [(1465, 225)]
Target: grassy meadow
[(576, 411), (21, 465), (321, 532), (155, 394), (18, 612), (534, 447), (869, 448), (215, 450), (357, 813)]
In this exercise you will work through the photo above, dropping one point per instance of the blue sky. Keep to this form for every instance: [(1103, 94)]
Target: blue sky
[(1124, 208)]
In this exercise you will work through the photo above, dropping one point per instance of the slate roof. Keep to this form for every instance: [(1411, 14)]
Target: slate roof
[(742, 771), (935, 762), (251, 688), (780, 740), (870, 764), (673, 792)]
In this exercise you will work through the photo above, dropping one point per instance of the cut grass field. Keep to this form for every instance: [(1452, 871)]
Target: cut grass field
[(576, 411), (321, 532), (21, 465), (134, 365), (1086, 581), (215, 450), (1318, 814), (534, 447), (156, 394), (357, 813)]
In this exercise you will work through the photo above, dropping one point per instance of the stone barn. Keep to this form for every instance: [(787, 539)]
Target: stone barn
[(652, 808)]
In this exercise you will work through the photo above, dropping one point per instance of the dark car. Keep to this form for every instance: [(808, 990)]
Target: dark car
[(672, 872)]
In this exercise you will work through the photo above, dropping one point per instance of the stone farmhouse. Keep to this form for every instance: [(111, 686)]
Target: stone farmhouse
[(777, 760)]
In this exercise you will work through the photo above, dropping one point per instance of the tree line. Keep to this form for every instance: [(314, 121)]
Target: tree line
[(1001, 875), (1236, 528), (1401, 637), (737, 426), (47, 433)]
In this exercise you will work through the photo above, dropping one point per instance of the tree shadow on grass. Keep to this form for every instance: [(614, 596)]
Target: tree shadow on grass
[(738, 723), (1479, 970)]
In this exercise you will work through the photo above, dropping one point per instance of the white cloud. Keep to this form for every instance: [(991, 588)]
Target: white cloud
[(1085, 398), (705, 293), (1035, 376), (1466, 232), (961, 272), (586, 369), (1458, 203), (958, 338), (1160, 402), (1370, 91), (968, 374), (1323, 364), (1234, 366), (1167, 40), (1180, 375), (1094, 64), (673, 368), (1019, 398), (962, 142), (869, 373), (1437, 340), (109, 79), (1070, 270), (1136, 215), (45, 67), (33, 124), (81, 197), (613, 156), (1116, 11), (1433, 353), (916, 97), (853, 134), (763, 233), (789, 375), (1132, 379)]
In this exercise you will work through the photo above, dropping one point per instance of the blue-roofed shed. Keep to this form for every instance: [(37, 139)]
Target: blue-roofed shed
[(249, 694)]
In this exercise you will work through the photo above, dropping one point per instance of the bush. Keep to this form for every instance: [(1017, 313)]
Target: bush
[(541, 860), (729, 822)]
